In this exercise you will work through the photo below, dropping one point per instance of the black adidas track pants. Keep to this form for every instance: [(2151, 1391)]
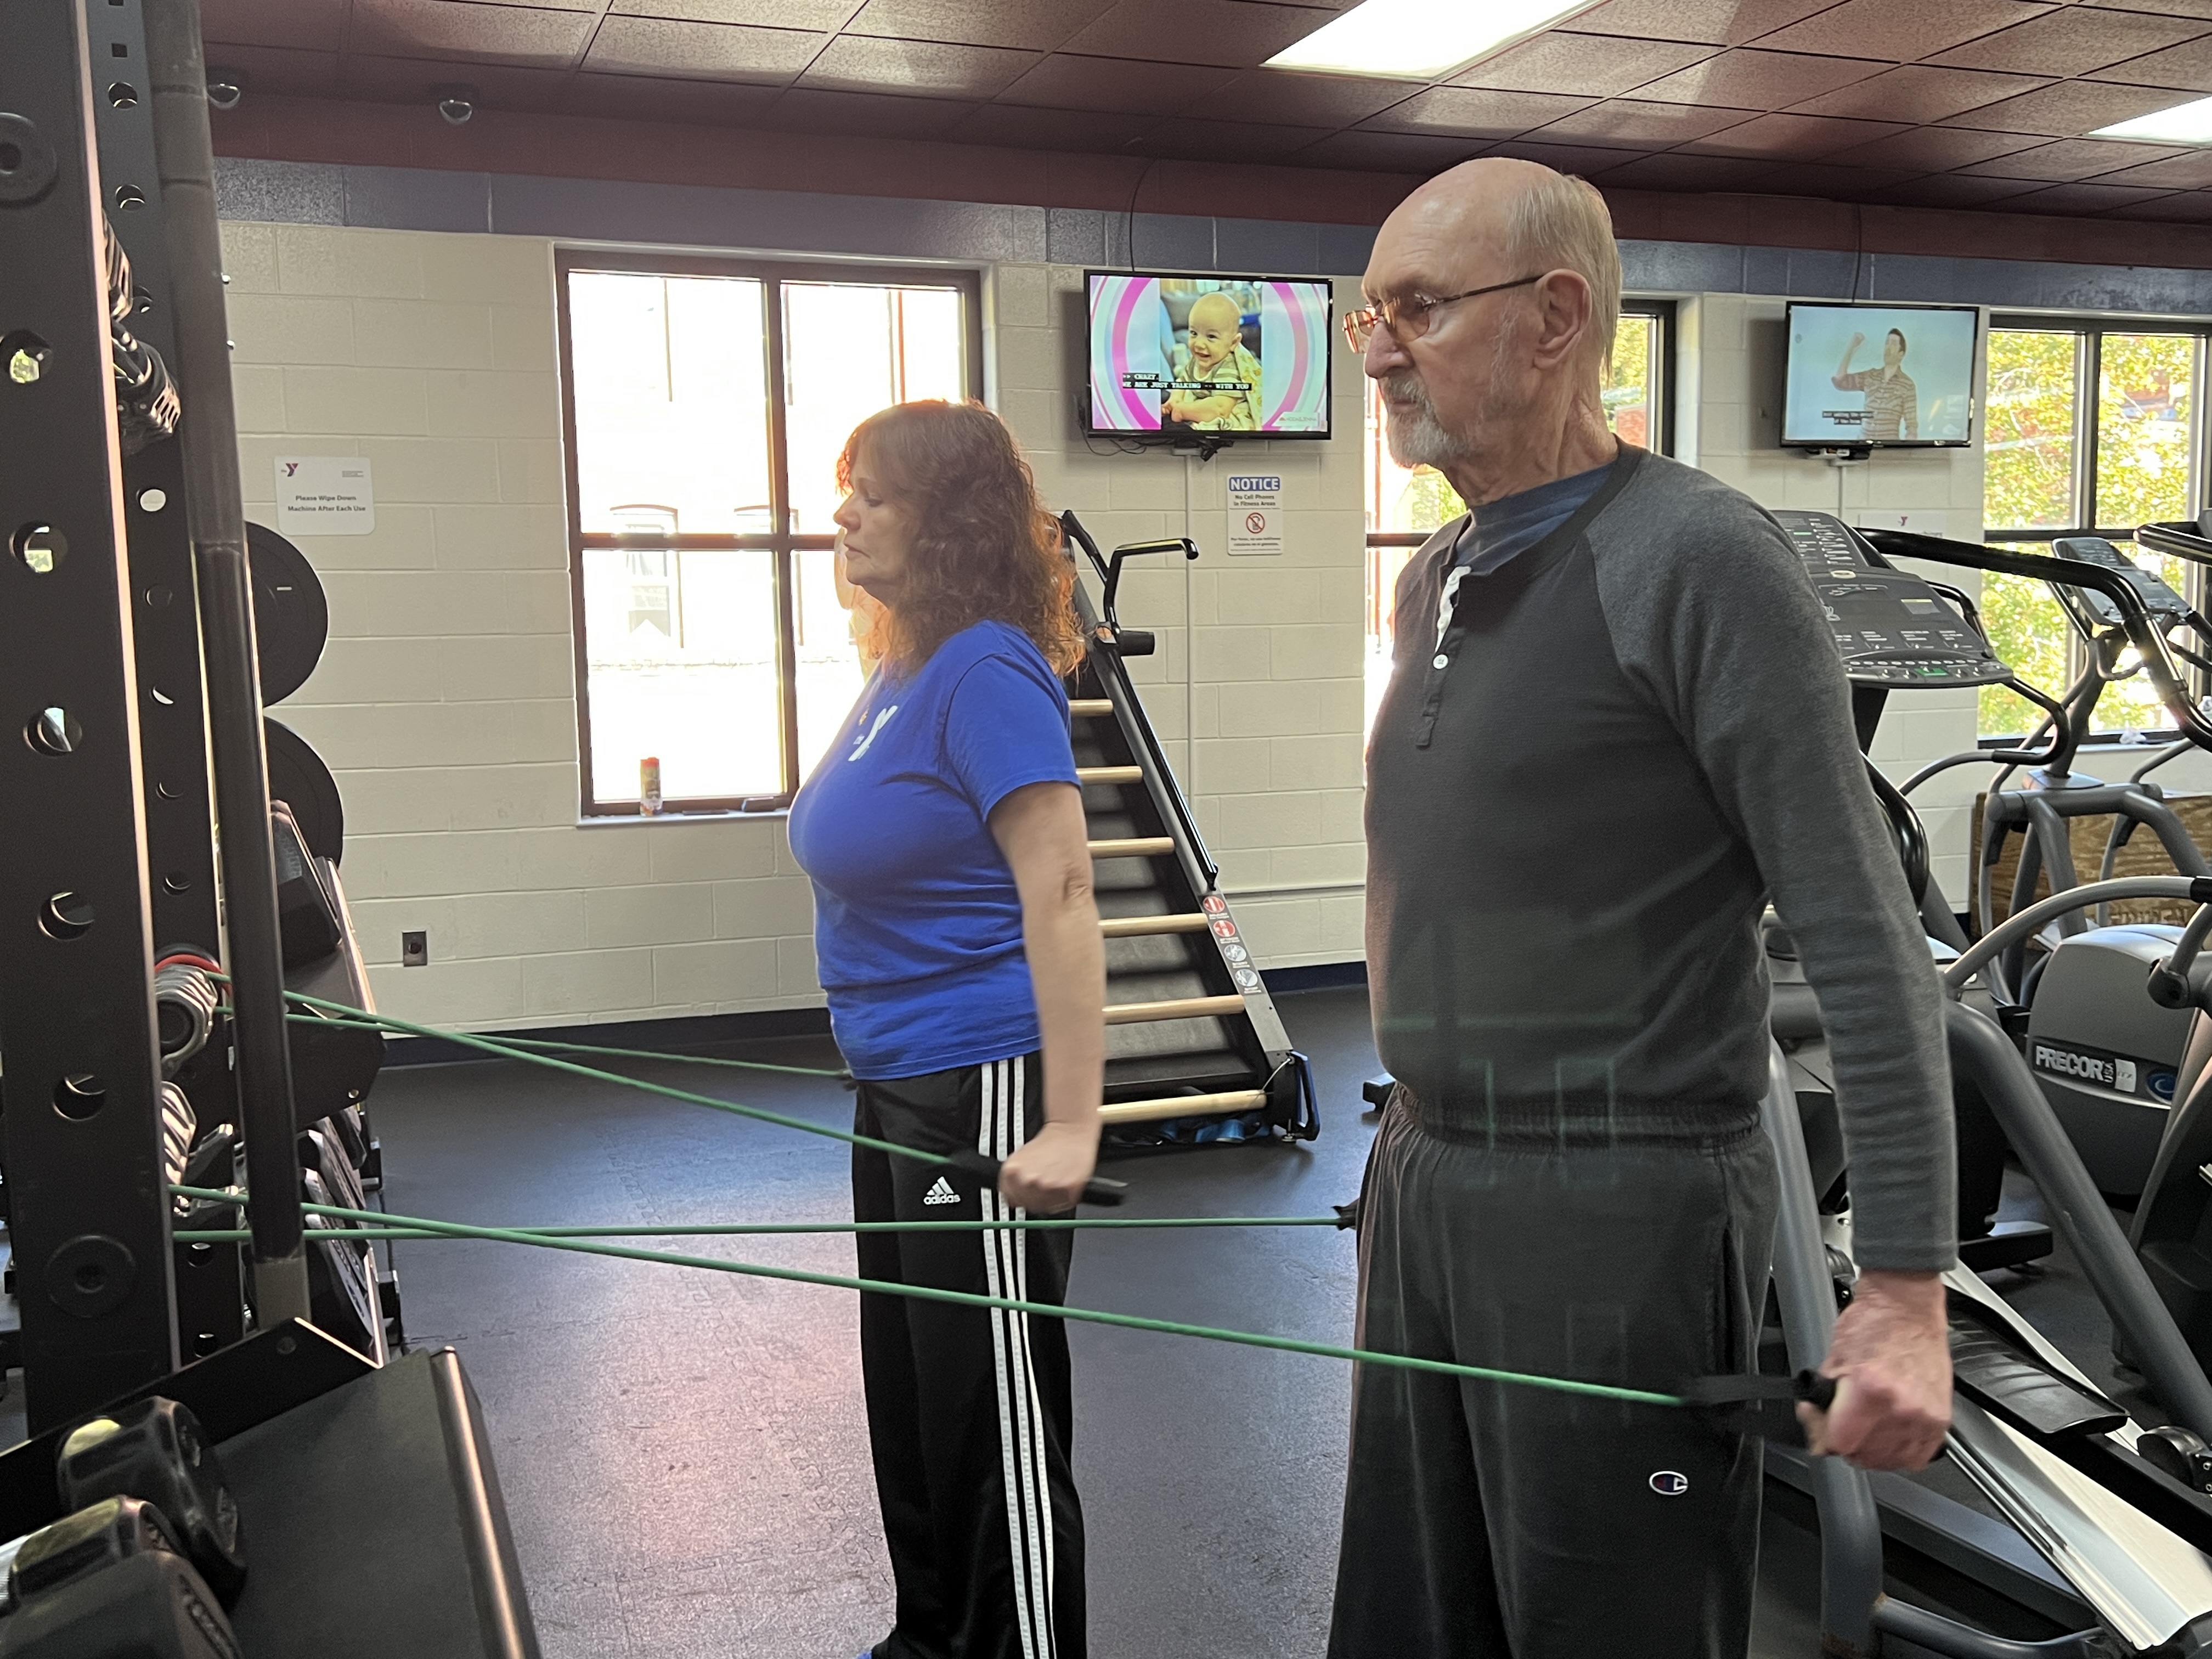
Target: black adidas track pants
[(968, 1408)]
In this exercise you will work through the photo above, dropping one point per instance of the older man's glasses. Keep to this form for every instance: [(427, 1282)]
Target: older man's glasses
[(1408, 319)]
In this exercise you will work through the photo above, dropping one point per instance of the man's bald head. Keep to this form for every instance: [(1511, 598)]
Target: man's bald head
[(1502, 374), (1498, 218)]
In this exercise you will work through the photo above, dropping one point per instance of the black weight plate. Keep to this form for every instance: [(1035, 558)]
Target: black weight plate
[(298, 777), (291, 618)]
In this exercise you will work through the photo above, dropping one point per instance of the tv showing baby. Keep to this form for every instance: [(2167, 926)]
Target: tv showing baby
[(1211, 358), (1214, 371)]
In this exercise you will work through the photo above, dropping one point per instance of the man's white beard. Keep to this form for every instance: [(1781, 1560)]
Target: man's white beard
[(1415, 436)]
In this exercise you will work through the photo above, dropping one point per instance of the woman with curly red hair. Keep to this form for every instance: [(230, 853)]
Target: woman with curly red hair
[(958, 940)]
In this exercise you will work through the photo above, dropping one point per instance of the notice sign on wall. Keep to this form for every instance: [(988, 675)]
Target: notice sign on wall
[(323, 496), (1255, 513)]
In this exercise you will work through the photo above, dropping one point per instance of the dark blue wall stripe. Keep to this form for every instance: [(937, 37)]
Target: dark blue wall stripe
[(589, 210)]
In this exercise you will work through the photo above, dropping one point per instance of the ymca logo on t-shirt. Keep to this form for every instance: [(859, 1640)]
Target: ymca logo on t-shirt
[(869, 737)]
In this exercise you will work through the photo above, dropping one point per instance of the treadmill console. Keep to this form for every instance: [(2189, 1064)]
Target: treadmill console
[(1892, 628), (2166, 606)]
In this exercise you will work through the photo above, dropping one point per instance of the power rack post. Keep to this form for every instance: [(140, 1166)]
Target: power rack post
[(209, 435), (164, 626), (88, 1211)]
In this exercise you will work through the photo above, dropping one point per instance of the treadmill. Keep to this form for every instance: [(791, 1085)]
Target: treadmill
[(2055, 1523)]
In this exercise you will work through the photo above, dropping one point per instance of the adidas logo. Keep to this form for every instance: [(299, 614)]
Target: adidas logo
[(942, 1193)]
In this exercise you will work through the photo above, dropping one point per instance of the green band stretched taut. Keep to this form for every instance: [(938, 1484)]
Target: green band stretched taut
[(505, 1049), (966, 1298)]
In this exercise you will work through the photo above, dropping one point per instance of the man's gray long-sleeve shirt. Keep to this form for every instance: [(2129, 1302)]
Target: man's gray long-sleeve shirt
[(1630, 738)]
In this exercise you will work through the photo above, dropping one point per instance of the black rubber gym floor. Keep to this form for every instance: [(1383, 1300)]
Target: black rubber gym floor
[(684, 1453)]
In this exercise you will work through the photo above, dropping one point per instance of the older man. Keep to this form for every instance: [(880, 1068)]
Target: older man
[(1616, 729)]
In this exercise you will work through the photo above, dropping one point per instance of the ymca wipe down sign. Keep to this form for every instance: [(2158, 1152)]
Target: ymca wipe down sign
[(325, 496), (1255, 513)]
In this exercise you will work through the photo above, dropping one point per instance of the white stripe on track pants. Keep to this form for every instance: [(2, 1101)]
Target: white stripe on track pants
[(968, 1410)]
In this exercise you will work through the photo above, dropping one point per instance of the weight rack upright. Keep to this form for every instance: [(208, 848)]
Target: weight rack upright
[(130, 726)]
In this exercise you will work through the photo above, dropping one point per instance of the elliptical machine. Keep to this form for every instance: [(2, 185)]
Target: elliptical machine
[(2107, 1058), (2094, 1532)]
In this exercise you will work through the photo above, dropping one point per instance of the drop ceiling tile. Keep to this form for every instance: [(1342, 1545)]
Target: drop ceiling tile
[(1677, 170), (927, 69), (1473, 112), (531, 36), (805, 108), (648, 98), (2192, 171), (2184, 68), (2164, 8), (701, 51), (1714, 22), (1752, 79), (1222, 141), (1016, 126), (2077, 199), (1579, 160), (1629, 123), (1032, 24), (1919, 91), (1324, 100), (1593, 65), (300, 25), (414, 80), (1900, 30), (1064, 81), (2068, 160), (266, 71), (2073, 40), (2065, 110), (1936, 150), (1233, 33), (1949, 189), (827, 16), (1834, 184), (1792, 137), (1389, 152)]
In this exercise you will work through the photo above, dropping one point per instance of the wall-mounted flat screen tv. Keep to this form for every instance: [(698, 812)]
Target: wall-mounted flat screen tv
[(1879, 376), (1212, 357)]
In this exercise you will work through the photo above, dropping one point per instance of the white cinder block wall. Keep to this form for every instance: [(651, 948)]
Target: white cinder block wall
[(446, 707), (444, 703), (1729, 423)]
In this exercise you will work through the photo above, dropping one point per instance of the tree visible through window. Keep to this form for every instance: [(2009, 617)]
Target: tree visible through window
[(2091, 431), (1405, 505), (706, 405)]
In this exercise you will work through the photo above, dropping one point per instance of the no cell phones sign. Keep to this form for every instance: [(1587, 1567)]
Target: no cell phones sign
[(1255, 514)]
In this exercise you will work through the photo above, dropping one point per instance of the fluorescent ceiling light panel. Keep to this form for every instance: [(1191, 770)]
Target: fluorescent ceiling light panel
[(1421, 40), (2184, 124)]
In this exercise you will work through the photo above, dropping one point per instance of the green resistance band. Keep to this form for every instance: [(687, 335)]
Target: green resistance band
[(970, 1299), (507, 1051), (734, 1229)]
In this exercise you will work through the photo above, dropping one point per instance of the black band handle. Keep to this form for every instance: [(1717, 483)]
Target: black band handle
[(1101, 1190)]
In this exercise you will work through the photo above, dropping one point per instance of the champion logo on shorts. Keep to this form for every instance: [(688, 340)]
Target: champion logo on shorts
[(942, 1193), (1667, 1483)]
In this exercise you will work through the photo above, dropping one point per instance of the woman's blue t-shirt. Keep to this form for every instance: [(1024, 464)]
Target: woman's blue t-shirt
[(917, 925)]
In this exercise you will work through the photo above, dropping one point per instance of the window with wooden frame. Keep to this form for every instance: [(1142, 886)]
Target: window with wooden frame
[(2095, 426), (706, 401)]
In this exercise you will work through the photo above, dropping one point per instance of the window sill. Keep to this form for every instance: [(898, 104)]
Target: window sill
[(635, 820)]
